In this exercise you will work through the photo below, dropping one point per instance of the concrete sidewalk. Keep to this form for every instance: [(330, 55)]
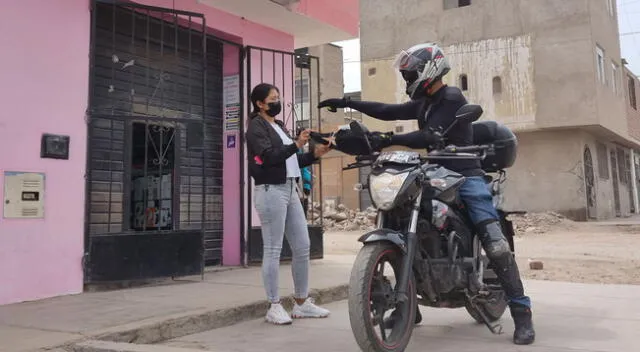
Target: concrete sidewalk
[(159, 312), (569, 317)]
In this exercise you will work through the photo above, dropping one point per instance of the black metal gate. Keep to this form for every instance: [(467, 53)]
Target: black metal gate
[(297, 75), (589, 180), (154, 154)]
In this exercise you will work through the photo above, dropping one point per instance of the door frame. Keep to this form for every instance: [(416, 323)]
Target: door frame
[(590, 184)]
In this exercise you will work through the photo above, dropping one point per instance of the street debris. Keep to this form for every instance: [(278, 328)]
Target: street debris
[(340, 218), (536, 264), (538, 223)]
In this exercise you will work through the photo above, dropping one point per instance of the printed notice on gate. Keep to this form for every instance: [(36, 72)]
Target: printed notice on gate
[(231, 101)]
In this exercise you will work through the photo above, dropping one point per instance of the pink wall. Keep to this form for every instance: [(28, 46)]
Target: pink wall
[(44, 91), (231, 254), (343, 14), (48, 94)]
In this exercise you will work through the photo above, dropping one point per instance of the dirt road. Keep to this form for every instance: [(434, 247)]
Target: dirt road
[(572, 252)]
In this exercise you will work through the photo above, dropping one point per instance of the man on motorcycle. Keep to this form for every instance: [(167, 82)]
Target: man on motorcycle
[(434, 105)]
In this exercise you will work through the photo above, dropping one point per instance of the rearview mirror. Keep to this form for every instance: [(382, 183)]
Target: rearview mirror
[(358, 128), (361, 131), (469, 113)]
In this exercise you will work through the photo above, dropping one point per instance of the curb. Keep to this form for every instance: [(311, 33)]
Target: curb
[(106, 346), (170, 328)]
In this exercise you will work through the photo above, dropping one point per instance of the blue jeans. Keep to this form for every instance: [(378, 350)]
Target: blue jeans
[(478, 200), (479, 205), (281, 215)]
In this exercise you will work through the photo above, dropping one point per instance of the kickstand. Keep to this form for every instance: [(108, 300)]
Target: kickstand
[(495, 328)]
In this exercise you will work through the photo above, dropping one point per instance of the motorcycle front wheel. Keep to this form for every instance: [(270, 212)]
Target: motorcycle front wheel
[(372, 300)]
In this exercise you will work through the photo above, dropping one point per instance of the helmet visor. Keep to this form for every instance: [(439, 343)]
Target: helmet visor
[(406, 61)]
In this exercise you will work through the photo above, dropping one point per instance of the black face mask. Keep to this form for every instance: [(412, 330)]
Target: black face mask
[(274, 109), (409, 78)]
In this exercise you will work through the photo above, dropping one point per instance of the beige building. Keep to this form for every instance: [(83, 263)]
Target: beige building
[(551, 70), (632, 88)]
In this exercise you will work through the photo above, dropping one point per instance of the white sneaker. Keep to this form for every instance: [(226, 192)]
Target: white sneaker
[(277, 315), (308, 310)]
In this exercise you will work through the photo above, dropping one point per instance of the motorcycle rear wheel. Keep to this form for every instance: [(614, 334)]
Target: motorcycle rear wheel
[(370, 294)]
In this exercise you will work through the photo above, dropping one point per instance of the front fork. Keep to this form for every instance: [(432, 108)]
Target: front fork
[(412, 247)]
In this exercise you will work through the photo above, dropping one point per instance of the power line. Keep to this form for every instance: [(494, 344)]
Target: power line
[(629, 33)]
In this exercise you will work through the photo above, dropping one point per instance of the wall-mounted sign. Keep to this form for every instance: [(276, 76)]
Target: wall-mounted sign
[(23, 195), (231, 141), (231, 101)]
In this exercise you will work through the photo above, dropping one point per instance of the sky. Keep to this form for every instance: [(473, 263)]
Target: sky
[(628, 24)]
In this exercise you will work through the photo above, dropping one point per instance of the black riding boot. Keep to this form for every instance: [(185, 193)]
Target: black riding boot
[(524, 333), (506, 269)]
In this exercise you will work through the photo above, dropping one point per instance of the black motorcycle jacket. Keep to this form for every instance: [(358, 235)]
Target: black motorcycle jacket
[(437, 111)]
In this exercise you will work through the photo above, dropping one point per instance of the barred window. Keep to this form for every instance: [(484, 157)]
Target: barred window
[(603, 161)]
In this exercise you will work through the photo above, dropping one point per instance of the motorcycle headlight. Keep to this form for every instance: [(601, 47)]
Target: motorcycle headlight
[(385, 187)]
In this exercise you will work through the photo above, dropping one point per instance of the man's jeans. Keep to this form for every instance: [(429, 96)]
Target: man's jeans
[(478, 200), (479, 205)]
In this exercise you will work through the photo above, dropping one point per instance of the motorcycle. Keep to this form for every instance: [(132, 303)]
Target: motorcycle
[(424, 237)]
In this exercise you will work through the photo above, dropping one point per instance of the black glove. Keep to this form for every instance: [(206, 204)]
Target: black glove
[(334, 104), (379, 140), (434, 138)]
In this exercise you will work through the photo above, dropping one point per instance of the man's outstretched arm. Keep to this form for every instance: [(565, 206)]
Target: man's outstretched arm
[(380, 111)]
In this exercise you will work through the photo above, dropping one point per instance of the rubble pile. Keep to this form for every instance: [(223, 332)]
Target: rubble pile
[(537, 223), (341, 218)]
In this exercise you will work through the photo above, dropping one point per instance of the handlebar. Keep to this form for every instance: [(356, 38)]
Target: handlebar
[(467, 149), (371, 157)]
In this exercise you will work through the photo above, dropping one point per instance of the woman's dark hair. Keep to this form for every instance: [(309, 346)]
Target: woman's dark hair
[(260, 93)]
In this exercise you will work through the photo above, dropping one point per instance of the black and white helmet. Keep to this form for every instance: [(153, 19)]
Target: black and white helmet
[(421, 66)]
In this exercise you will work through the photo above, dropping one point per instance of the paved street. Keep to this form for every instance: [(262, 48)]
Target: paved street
[(569, 317)]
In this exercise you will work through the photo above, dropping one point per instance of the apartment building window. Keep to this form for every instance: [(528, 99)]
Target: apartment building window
[(603, 161), (631, 84), (454, 4), (610, 7), (464, 82), (614, 77), (497, 86), (600, 65)]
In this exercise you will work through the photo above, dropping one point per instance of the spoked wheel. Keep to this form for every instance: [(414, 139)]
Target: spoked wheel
[(372, 289)]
